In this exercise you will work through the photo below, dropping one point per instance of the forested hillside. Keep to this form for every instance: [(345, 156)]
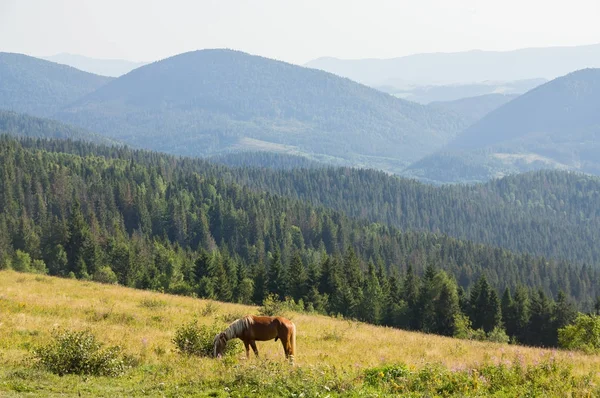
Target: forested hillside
[(158, 222), (474, 108), (19, 124), (549, 213), (208, 101), (37, 87)]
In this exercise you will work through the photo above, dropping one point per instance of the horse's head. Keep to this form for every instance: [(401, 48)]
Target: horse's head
[(219, 345)]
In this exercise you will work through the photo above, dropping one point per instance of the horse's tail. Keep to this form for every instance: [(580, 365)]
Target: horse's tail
[(293, 341)]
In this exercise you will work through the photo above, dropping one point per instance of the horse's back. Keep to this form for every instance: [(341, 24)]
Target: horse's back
[(268, 327)]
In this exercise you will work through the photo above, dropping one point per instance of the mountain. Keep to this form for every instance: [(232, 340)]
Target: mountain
[(444, 93), (38, 87), (22, 125), (103, 67), (556, 125), (464, 67), (211, 101), (471, 109)]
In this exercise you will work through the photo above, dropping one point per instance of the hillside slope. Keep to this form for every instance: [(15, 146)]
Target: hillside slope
[(144, 323), (474, 108), (22, 125), (210, 101), (556, 125), (38, 87)]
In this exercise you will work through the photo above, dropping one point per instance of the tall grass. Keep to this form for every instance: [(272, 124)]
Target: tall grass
[(334, 356)]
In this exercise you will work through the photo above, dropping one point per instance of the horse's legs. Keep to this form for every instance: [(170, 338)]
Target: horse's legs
[(247, 345), (253, 344), (286, 346)]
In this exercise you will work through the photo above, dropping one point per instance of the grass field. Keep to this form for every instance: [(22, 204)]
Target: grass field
[(332, 354)]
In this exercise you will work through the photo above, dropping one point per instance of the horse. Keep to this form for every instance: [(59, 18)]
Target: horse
[(252, 328)]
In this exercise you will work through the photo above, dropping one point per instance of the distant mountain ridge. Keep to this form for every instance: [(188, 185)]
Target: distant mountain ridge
[(40, 88), (430, 94), (211, 101), (103, 67), (464, 67), (556, 125)]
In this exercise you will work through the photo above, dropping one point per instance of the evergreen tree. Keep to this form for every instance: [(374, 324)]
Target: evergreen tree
[(565, 314), (446, 306), (261, 289), (539, 330), (426, 304), (297, 278), (276, 278), (371, 306), (410, 293)]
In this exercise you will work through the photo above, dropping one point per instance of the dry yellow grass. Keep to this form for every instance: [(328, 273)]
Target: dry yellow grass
[(144, 324)]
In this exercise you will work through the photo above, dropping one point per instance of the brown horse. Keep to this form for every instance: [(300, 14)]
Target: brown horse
[(252, 328)]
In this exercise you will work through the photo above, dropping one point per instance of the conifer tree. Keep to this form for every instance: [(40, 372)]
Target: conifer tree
[(410, 293), (277, 278), (297, 278)]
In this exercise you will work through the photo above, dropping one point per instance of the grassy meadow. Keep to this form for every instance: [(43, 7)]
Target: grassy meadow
[(334, 356)]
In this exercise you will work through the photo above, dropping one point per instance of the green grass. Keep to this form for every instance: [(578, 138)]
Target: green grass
[(334, 357)]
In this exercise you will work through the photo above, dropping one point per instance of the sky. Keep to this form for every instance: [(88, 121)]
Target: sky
[(293, 31)]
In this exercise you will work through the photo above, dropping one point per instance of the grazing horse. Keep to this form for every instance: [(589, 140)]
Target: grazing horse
[(252, 328)]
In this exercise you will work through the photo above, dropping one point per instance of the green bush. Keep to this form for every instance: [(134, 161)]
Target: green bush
[(272, 306), (105, 275), (191, 339), (582, 335), (78, 352), (39, 267), (22, 261), (463, 330)]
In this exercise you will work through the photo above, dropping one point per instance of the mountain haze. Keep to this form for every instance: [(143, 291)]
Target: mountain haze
[(429, 94), (103, 67), (556, 125), (212, 101), (38, 87), (465, 67)]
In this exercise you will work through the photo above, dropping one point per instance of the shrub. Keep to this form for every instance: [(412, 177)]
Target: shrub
[(191, 339), (582, 335), (39, 266), (463, 330), (232, 316), (22, 261), (152, 303), (105, 275), (209, 309), (78, 352), (498, 335), (272, 306), (181, 288)]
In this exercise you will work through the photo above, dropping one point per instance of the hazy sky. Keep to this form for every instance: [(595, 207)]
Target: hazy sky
[(294, 31)]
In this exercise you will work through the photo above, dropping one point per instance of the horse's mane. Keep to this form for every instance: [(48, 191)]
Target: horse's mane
[(238, 327)]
